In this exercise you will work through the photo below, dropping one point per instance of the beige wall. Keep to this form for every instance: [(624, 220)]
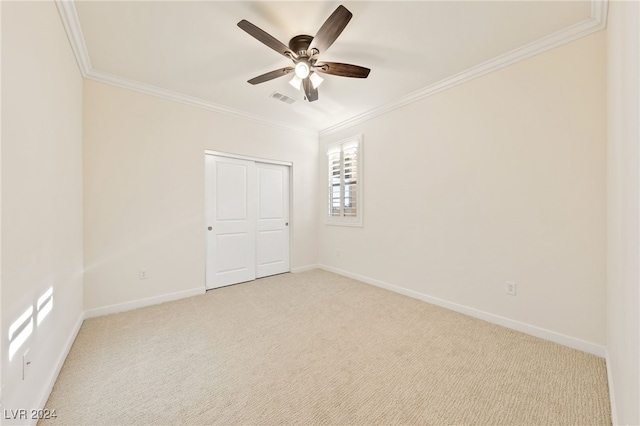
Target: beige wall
[(623, 212), (144, 191), (502, 178), (41, 193), (499, 179)]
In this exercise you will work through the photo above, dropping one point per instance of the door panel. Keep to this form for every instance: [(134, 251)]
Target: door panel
[(232, 253), (273, 220), (270, 247), (271, 193), (230, 198), (231, 189)]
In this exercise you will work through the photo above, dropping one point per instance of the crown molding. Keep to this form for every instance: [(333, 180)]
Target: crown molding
[(596, 22), (71, 23), (599, 12), (136, 86)]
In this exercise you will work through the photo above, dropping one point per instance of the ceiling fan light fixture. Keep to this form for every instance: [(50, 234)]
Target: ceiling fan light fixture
[(296, 82), (302, 69)]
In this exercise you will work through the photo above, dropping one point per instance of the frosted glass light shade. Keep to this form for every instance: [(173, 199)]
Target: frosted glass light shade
[(316, 80), (296, 82)]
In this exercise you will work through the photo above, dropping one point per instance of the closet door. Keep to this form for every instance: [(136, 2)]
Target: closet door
[(272, 238), (247, 219), (231, 218)]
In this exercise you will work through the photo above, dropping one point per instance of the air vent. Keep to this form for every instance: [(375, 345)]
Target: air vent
[(282, 98)]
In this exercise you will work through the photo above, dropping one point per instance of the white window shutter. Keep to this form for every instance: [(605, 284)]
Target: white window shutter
[(345, 182), (350, 179), (335, 184)]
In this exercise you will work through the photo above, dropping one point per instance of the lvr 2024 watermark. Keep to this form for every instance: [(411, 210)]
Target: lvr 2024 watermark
[(21, 414)]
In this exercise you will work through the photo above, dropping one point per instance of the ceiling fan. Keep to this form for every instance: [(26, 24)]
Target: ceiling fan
[(304, 50)]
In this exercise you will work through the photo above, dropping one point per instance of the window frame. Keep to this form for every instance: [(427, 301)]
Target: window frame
[(332, 147)]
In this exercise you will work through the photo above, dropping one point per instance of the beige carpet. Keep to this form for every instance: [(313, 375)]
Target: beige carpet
[(318, 348)]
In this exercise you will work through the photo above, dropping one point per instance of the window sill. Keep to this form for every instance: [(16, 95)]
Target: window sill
[(354, 223)]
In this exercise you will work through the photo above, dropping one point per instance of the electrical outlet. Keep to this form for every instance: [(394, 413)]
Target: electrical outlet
[(337, 252), (142, 274), (26, 363), (510, 288)]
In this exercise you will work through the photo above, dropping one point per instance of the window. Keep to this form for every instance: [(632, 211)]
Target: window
[(345, 182)]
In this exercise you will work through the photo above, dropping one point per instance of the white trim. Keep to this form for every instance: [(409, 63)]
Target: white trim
[(61, 359), (532, 330), (99, 312), (305, 268), (599, 12), (612, 393), (248, 158), (140, 303), (69, 18), (596, 22), (71, 23), (147, 89)]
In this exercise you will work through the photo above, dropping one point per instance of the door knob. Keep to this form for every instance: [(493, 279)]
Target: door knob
[(210, 228), (286, 224)]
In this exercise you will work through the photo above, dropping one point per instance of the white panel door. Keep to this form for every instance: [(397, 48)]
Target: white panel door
[(231, 216), (272, 239)]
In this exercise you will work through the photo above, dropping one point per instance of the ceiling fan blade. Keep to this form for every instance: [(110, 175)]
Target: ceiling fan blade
[(309, 90), (266, 39), (331, 29), (343, 70), (271, 75)]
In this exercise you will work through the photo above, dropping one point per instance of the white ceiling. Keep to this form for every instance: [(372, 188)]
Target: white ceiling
[(195, 49)]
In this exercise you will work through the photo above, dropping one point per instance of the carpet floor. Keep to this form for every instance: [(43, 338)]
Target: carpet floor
[(316, 348)]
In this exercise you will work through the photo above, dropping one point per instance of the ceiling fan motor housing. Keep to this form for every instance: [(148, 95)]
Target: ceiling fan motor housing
[(299, 44)]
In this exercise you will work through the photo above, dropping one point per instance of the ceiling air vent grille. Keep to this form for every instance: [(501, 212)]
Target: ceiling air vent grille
[(282, 98)]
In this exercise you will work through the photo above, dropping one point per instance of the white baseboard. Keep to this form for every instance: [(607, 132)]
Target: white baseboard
[(99, 312), (542, 333), (61, 359), (304, 268), (612, 393), (128, 306)]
